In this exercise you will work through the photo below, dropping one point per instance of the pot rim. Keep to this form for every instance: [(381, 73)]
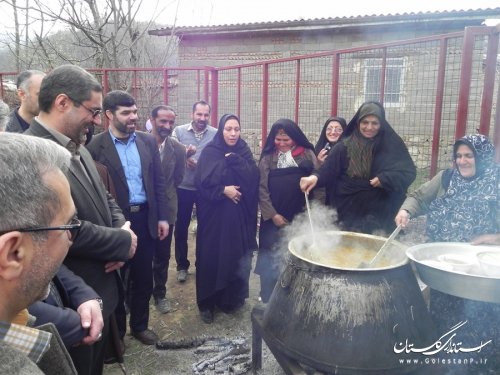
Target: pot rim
[(403, 247)]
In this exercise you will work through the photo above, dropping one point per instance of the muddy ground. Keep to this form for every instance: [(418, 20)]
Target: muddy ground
[(184, 323)]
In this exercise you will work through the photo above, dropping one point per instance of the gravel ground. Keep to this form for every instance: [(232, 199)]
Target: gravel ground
[(184, 323)]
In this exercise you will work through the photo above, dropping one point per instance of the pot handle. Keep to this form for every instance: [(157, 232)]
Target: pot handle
[(287, 275)]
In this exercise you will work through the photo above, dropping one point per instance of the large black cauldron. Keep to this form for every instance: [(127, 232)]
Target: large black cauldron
[(347, 320)]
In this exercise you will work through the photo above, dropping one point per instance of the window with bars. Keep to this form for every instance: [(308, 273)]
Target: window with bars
[(393, 80)]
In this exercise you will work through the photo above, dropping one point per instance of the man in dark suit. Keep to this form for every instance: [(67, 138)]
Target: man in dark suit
[(133, 162), (70, 100)]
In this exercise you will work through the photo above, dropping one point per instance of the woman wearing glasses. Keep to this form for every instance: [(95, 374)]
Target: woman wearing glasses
[(329, 137)]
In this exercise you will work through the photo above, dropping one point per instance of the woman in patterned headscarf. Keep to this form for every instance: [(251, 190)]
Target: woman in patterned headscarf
[(462, 202), (368, 172), (286, 157)]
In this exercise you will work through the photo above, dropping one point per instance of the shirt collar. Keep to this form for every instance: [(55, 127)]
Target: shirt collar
[(30, 341), (191, 129), (132, 138), (61, 138)]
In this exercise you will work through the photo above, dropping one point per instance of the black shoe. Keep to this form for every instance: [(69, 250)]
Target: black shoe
[(147, 337), (207, 316)]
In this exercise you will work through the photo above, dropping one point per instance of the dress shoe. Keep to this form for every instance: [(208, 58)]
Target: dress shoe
[(147, 337), (182, 276), (162, 305), (207, 316)]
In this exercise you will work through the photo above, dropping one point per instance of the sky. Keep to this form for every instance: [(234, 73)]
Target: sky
[(220, 12)]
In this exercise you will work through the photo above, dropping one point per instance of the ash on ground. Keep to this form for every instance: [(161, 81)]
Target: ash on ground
[(217, 355)]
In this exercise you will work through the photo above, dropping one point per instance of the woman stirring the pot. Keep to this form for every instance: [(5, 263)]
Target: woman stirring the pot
[(286, 157), (227, 179), (368, 172), (463, 205)]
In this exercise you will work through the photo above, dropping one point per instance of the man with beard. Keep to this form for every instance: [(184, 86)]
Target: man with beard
[(70, 100), (173, 163), (133, 162), (195, 136), (28, 87), (37, 226)]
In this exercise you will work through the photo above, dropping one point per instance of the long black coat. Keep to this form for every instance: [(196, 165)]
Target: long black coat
[(226, 233)]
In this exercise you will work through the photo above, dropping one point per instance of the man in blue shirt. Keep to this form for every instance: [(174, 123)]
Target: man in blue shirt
[(195, 136), (133, 162)]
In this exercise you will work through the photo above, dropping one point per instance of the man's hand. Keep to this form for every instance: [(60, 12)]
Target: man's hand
[(133, 243), (162, 230), (91, 318), (190, 150), (113, 266), (191, 163)]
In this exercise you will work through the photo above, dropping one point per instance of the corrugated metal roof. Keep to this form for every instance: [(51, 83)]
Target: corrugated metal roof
[(330, 21)]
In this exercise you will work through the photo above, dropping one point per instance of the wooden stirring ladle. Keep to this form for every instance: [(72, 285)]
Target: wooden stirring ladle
[(381, 251)]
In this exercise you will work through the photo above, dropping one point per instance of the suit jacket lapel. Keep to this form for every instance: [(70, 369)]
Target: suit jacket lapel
[(100, 201), (145, 160), (113, 159)]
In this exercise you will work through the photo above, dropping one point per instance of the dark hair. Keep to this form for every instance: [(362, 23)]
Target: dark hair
[(115, 99), (161, 107), (24, 77), (75, 82), (203, 103)]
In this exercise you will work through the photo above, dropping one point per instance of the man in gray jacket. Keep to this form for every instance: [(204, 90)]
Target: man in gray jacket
[(173, 164)]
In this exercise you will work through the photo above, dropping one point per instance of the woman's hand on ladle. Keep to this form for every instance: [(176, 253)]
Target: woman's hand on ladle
[(279, 220), (308, 183), (402, 218)]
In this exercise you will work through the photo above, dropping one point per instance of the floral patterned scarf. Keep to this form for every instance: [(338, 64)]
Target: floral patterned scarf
[(469, 206)]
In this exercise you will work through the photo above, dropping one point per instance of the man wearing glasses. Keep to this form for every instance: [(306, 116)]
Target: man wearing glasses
[(70, 101), (37, 227)]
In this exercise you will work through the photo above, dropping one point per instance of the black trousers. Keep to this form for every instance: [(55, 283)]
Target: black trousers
[(137, 274), (161, 261), (186, 199), (89, 359)]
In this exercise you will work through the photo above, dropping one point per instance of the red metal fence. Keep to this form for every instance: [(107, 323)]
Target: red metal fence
[(434, 89)]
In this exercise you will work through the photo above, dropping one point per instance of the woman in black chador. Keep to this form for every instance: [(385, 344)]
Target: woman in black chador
[(368, 172), (227, 180)]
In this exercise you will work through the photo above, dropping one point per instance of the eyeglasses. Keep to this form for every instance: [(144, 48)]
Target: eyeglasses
[(334, 130), (94, 112), (73, 227)]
